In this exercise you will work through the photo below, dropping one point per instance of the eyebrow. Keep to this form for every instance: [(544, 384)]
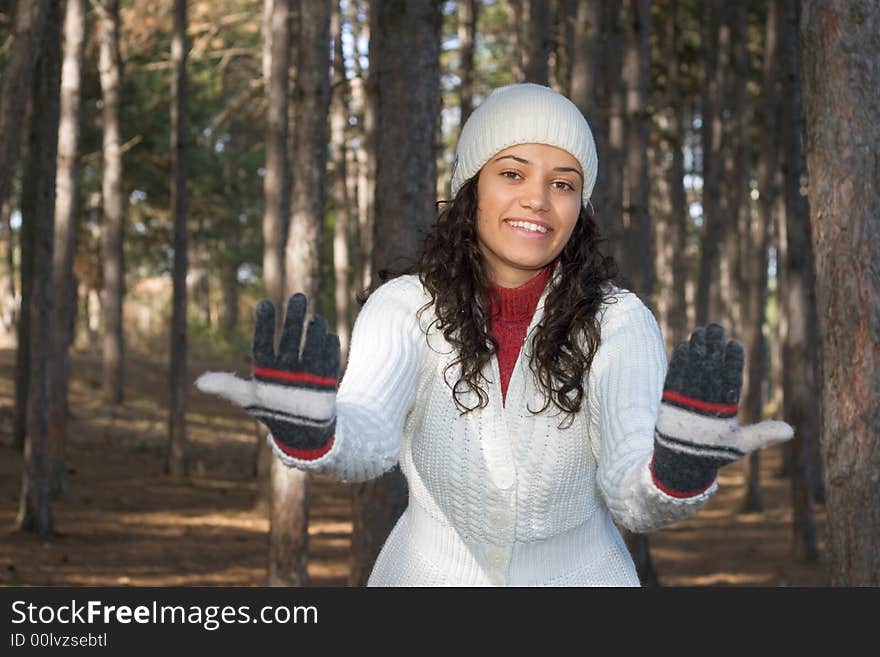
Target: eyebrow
[(524, 161)]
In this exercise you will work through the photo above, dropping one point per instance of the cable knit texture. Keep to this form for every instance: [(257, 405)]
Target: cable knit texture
[(500, 496)]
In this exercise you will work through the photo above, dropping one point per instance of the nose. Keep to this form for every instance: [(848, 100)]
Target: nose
[(534, 195)]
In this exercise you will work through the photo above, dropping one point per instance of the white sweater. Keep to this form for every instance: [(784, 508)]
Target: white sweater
[(500, 496)]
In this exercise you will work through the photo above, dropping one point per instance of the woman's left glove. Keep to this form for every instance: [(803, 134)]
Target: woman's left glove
[(293, 395), (697, 430)]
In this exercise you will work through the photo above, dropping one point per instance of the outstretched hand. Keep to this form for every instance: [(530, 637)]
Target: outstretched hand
[(697, 431), (292, 392)]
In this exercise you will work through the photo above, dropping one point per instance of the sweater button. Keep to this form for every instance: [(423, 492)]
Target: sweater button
[(499, 519), (497, 556)]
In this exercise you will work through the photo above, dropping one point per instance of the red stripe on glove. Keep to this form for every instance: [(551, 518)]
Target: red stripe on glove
[(295, 377), (699, 404), (306, 454)]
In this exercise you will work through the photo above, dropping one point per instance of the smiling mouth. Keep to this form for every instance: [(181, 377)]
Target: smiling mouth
[(529, 226)]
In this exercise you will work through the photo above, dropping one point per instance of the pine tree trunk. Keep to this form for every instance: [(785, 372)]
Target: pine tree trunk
[(716, 37), (35, 511), (17, 81), (311, 107), (611, 212), (114, 203), (28, 203), (404, 54), (9, 312), (515, 41), (562, 44), (536, 65), (66, 214), (733, 186), (637, 217), (841, 75), (177, 455), (676, 318), (276, 184), (468, 15), (586, 88), (363, 106), (800, 350), (756, 348), (288, 551), (276, 190), (341, 202)]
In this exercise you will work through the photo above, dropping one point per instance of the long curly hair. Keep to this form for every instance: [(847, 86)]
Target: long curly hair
[(451, 269)]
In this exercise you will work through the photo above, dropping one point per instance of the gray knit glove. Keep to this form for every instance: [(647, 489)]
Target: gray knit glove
[(697, 430), (293, 395)]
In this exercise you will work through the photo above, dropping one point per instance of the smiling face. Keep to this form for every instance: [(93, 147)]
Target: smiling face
[(529, 198)]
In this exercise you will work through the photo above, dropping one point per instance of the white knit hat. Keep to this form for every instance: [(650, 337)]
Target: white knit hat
[(524, 114)]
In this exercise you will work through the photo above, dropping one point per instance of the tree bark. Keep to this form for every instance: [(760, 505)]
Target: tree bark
[(798, 303), (637, 216), (675, 316), (290, 487), (841, 74), (586, 86), (35, 511), (16, 86), (716, 38), (341, 203), (611, 211), (756, 349), (536, 65), (311, 108), (468, 15), (177, 454), (276, 183), (404, 54), (737, 255), (363, 106), (9, 313), (800, 350), (114, 203), (66, 214), (515, 41), (276, 190)]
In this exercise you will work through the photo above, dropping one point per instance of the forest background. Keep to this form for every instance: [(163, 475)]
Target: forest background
[(166, 164)]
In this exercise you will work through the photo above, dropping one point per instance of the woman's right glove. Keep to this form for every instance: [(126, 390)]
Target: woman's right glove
[(293, 395), (697, 431)]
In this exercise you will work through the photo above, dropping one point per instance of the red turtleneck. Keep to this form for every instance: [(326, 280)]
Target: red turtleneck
[(512, 311)]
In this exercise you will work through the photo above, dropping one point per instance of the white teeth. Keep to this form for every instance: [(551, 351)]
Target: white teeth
[(535, 228)]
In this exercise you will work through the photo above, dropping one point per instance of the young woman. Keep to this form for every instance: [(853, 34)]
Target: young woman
[(525, 396)]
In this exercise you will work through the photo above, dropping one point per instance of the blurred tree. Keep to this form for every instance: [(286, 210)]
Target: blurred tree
[(66, 220), (35, 511), (468, 15), (536, 51), (110, 65), (340, 198), (404, 54), (17, 74), (756, 347), (800, 378), (177, 453), (716, 38), (639, 242)]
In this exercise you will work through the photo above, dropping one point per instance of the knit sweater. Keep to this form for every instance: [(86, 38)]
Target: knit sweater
[(499, 495), (512, 310)]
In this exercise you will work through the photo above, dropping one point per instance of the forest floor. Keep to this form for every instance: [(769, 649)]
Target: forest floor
[(123, 522)]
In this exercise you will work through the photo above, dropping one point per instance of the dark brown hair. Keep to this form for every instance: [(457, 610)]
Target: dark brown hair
[(451, 269)]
